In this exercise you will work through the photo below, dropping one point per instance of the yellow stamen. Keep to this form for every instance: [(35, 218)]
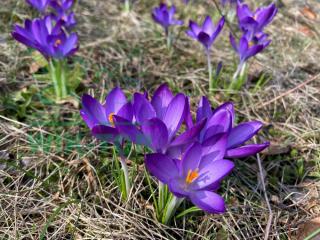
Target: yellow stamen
[(192, 175), (251, 43), (57, 42), (110, 118)]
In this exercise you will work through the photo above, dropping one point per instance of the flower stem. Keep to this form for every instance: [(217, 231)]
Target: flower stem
[(169, 40), (162, 197), (53, 75), (238, 77), (171, 208), (127, 6), (124, 167), (211, 83), (57, 71)]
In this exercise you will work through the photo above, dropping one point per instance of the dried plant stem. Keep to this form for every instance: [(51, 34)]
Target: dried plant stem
[(264, 189)]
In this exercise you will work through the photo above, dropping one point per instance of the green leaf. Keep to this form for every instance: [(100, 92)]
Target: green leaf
[(187, 211)]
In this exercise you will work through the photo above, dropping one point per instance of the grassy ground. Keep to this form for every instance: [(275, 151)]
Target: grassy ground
[(55, 179)]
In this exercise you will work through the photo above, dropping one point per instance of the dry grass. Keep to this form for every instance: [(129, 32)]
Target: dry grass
[(55, 180)]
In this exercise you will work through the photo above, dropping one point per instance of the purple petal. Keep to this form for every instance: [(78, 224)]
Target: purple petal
[(194, 28), (188, 116), (266, 15), (242, 133), (126, 112), (212, 173), (161, 166), (105, 133), (191, 159), (177, 187), (205, 39), (208, 201), (157, 134), (204, 109), (174, 115), (213, 149), (70, 44), (115, 100), (142, 108), (208, 26), (190, 135), (93, 111), (233, 42), (246, 150), (220, 122), (130, 131), (191, 34), (161, 99), (217, 30)]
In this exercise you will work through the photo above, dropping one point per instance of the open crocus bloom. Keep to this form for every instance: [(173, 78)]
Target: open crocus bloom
[(207, 33), (157, 122), (255, 21), (100, 117), (221, 120), (164, 16), (48, 38), (249, 45), (40, 5), (195, 176)]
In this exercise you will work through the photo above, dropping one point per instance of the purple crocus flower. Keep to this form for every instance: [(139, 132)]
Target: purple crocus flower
[(249, 45), (100, 118), (46, 37), (220, 121), (158, 121), (63, 13), (65, 5), (255, 21), (207, 33), (196, 176), (40, 5), (164, 16)]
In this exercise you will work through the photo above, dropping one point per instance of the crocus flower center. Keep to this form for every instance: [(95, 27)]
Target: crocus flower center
[(251, 43), (110, 118), (57, 43), (192, 175)]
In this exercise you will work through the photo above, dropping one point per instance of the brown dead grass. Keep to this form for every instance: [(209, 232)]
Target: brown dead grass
[(65, 195)]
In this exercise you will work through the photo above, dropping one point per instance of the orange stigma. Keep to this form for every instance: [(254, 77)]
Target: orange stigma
[(192, 175), (110, 118), (57, 42)]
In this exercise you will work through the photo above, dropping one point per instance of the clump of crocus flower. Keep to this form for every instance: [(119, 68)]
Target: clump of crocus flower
[(190, 161), (101, 119), (206, 35), (253, 39), (164, 16), (49, 36)]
